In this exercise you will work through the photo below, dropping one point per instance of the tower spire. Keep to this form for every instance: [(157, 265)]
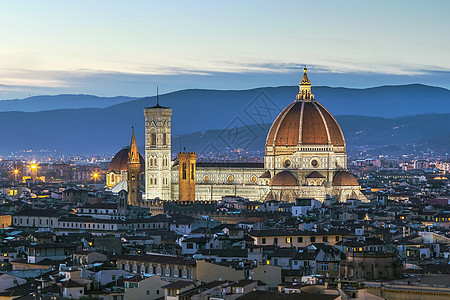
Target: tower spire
[(133, 155), (305, 88)]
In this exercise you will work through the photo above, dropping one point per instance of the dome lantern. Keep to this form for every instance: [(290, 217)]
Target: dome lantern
[(304, 88)]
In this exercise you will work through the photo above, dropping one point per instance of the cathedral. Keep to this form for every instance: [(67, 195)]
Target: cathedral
[(305, 157)]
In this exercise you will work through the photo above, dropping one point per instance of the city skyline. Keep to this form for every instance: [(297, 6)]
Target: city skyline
[(293, 150)]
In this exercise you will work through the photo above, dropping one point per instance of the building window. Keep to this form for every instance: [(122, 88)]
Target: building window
[(192, 171), (164, 139), (337, 238), (325, 239), (313, 239), (288, 240), (263, 240), (324, 266), (184, 170), (275, 241), (153, 139), (300, 239)]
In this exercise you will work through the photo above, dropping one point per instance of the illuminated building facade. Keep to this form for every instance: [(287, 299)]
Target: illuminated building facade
[(305, 156)]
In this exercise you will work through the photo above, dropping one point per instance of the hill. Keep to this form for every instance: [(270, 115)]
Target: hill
[(48, 102), (106, 130), (373, 135)]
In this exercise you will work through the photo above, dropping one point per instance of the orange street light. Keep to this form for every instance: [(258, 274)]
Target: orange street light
[(95, 175), (16, 172)]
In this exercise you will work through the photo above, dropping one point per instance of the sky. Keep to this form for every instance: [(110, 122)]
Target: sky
[(111, 48)]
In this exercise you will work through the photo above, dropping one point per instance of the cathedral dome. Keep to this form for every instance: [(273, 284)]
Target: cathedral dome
[(315, 174), (305, 122), (284, 178), (344, 178), (120, 161)]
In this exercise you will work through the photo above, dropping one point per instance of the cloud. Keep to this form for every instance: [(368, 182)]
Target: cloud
[(227, 75)]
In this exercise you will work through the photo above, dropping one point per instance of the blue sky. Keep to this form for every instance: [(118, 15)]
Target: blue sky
[(113, 48)]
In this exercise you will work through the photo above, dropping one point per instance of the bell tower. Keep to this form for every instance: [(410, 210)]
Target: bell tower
[(158, 151), (186, 176), (133, 174)]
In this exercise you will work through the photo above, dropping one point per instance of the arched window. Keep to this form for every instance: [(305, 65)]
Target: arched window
[(164, 139), (184, 170), (153, 138)]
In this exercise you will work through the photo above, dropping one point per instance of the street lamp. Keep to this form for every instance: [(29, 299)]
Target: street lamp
[(33, 168), (16, 172), (95, 175)]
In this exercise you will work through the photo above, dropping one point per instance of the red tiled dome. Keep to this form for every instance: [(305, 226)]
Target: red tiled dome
[(344, 178), (120, 160), (305, 122), (284, 178), (315, 174)]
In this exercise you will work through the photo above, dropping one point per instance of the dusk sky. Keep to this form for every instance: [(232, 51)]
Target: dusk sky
[(110, 48)]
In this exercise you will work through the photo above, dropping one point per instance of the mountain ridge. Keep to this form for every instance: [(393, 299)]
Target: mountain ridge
[(106, 130), (61, 101)]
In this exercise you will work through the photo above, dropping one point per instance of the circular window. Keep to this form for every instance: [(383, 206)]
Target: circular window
[(315, 163), (230, 178), (253, 179), (287, 163), (206, 179)]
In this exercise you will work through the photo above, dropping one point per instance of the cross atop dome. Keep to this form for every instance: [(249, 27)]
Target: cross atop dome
[(305, 88)]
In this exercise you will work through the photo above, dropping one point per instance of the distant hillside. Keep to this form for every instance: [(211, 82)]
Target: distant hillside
[(373, 135), (46, 102), (106, 130)]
